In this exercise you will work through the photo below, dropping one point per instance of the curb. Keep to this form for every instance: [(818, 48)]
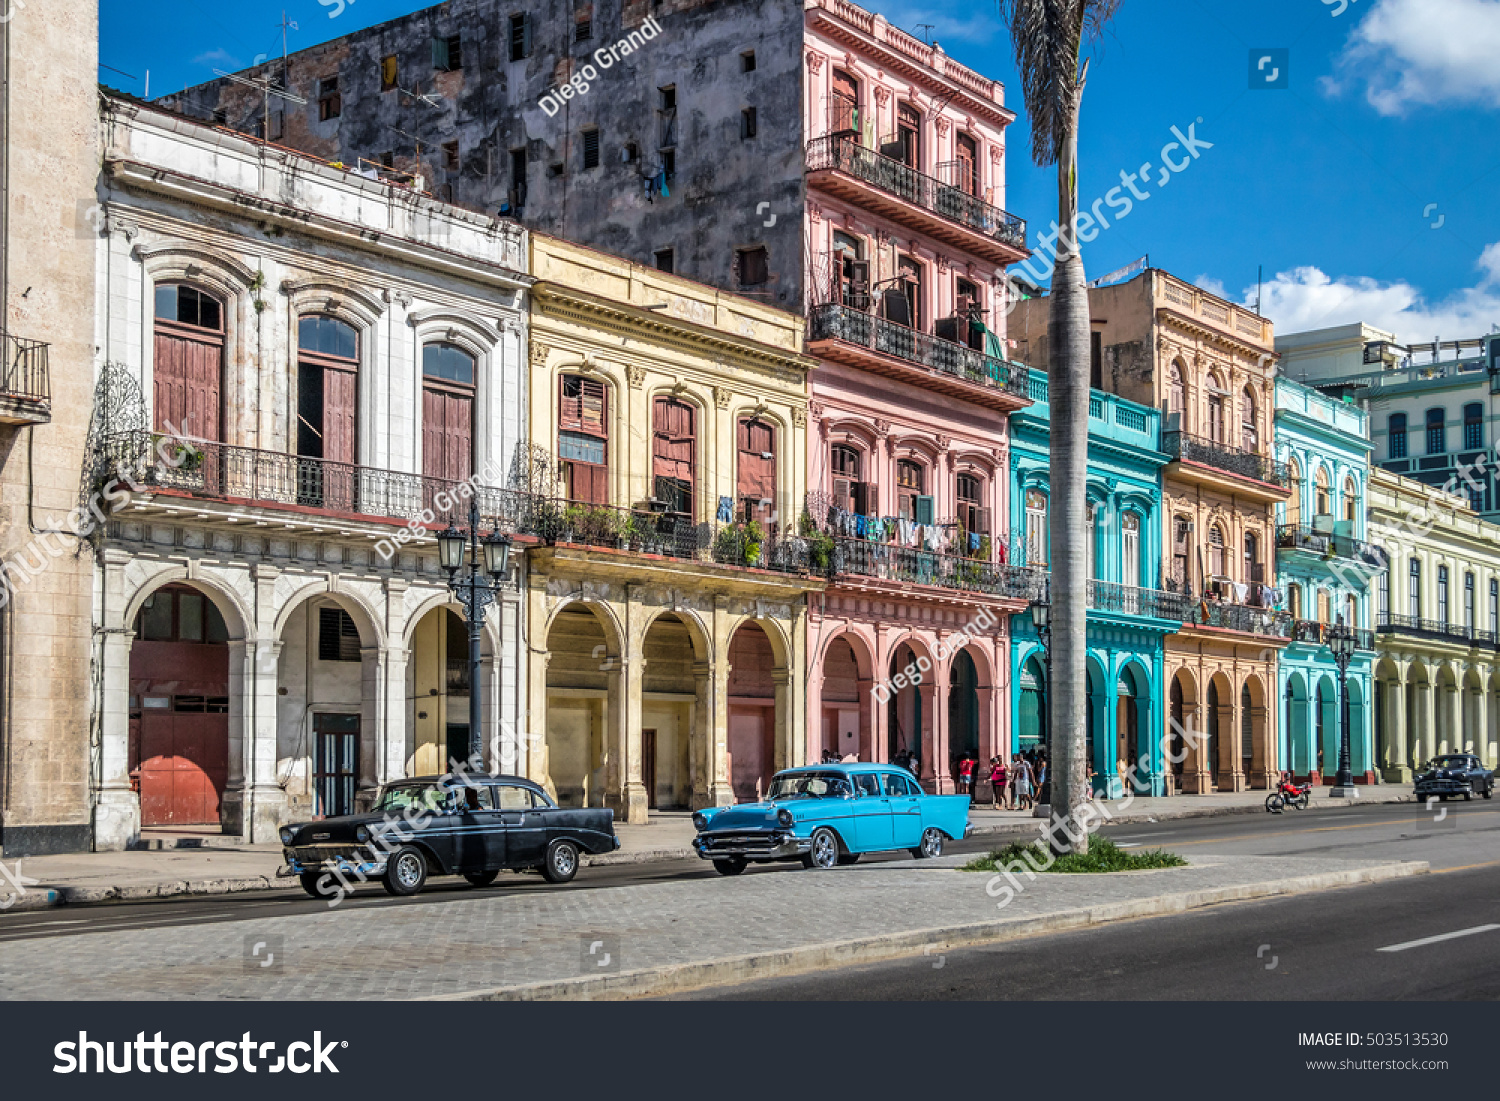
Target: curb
[(732, 970)]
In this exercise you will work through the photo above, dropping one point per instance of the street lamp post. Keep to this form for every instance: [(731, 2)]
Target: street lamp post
[(1341, 642), (1041, 619), (489, 554)]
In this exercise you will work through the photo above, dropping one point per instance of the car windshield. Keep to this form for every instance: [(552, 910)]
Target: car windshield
[(1451, 762), (808, 785), (429, 797)]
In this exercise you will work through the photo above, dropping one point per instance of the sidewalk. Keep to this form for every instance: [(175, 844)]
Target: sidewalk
[(654, 938), (215, 865)]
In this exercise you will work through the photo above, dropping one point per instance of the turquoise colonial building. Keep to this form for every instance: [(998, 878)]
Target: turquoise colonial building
[(1128, 614), (1326, 573)]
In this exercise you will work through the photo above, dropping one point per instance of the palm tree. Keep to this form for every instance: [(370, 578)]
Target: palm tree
[(1048, 36)]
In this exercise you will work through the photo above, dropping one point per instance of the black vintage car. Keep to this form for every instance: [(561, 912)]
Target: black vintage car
[(473, 826), (1455, 774)]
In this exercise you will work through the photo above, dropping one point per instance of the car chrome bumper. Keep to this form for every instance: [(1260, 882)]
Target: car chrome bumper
[(968, 830), (752, 850), (339, 864)]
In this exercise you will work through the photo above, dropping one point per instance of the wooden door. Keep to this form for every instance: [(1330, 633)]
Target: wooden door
[(447, 441), (673, 457), (340, 442), (756, 489), (184, 767)]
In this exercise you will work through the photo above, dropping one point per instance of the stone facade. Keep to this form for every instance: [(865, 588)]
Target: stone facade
[(269, 649), (1437, 668), (667, 611), (48, 52)]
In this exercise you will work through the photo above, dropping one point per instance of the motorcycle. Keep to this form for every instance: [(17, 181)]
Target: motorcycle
[(1289, 794)]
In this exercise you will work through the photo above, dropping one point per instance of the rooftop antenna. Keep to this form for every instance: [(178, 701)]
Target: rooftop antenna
[(266, 92), (1260, 272), (286, 79), (427, 98), (926, 40), (415, 141)]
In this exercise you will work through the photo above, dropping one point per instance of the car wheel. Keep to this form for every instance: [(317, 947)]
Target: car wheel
[(309, 881), (825, 849), (405, 871), (1273, 803), (732, 865), (1469, 794), (1442, 798), (931, 845), (561, 864), (846, 859), (1488, 792), (480, 879)]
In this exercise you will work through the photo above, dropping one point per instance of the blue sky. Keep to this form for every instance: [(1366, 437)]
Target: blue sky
[(1364, 187)]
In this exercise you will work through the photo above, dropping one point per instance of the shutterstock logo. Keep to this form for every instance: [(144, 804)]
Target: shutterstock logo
[(85, 1056)]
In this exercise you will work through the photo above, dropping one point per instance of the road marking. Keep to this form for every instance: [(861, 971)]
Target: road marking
[(125, 926), (1466, 867), (1434, 940)]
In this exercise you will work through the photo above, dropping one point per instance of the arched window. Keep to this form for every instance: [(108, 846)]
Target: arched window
[(1351, 500), (756, 477), (583, 438), (852, 270), (1216, 396), (1249, 435), (1091, 538), (967, 150), (1437, 431), (674, 455), (843, 105), (912, 501), (327, 411), (1351, 612), (971, 511), (1217, 566), (448, 374), (1473, 426), (1036, 528), (1130, 549), (1294, 502), (1323, 496), (1442, 595), (845, 465), (188, 368), (1395, 436), (1177, 392)]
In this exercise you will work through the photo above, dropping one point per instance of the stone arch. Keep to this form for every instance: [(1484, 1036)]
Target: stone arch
[(367, 619), (842, 710), (1221, 711), (583, 659), (1325, 723), (237, 616), (1260, 763), (1099, 714), (1301, 755)]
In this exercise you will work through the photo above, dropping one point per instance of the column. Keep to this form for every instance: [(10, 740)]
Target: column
[(816, 736), (1394, 768), (713, 731), (869, 710), (784, 740), (623, 791), (930, 734), (391, 745), (1425, 744), (264, 801), (1450, 733), (372, 707), (117, 808)]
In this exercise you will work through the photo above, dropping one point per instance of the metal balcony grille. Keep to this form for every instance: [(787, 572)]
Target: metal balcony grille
[(1223, 456), (24, 373)]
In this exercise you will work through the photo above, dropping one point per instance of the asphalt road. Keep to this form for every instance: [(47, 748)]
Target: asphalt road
[(1468, 835)]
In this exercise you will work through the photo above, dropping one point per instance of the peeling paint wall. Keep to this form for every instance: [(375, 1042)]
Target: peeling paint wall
[(491, 106)]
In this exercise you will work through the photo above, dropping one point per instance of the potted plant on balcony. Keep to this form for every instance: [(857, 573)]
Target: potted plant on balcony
[(819, 543), (755, 538)]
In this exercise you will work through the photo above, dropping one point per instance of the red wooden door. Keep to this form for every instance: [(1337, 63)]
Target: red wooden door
[(447, 440), (186, 379), (340, 439), (756, 476), (184, 767), (673, 454)]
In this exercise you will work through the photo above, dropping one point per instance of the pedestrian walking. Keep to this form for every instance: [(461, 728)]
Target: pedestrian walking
[(999, 778), (966, 775), (1021, 781)]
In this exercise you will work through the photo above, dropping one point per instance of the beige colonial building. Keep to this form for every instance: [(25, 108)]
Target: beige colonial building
[(1209, 366), (667, 600), (297, 364), (50, 101), (1438, 621)]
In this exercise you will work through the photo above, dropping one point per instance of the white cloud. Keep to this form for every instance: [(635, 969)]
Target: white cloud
[(1307, 298), (1211, 285), (1410, 53), (219, 59)]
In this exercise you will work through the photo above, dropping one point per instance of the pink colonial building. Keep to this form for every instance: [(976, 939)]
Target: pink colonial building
[(907, 246)]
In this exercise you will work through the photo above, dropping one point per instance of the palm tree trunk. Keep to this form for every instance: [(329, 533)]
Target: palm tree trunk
[(1068, 378)]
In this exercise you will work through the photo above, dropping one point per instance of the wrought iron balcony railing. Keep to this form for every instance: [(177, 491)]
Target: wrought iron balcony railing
[(273, 478), (893, 562), (1329, 545), (1319, 634), (1441, 629), (1266, 622), (25, 373), (1109, 596), (832, 321), (669, 534), (842, 153), (1223, 456)]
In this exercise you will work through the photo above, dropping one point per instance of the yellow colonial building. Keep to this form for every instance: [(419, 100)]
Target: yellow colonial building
[(665, 615)]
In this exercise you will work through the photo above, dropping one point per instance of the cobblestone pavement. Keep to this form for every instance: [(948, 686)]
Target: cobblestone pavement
[(480, 942)]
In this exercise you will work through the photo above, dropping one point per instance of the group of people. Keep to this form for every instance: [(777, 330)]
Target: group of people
[(1013, 785)]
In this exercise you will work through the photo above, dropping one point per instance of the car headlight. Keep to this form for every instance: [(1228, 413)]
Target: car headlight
[(287, 833), (700, 820), (361, 834), (784, 816)]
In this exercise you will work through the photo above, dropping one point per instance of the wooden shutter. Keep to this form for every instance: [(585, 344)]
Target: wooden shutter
[(865, 498), (447, 434), (672, 455), (340, 415), (757, 467), (981, 521), (922, 511), (586, 409), (185, 381)]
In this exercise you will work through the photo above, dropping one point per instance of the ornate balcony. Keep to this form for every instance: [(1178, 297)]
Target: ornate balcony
[(1112, 598), (871, 343), (1245, 618), (840, 165), (914, 566), (1317, 634), (1215, 459), (1438, 629), (25, 382), (1325, 544)]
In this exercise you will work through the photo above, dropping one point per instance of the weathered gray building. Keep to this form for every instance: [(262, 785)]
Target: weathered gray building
[(678, 140)]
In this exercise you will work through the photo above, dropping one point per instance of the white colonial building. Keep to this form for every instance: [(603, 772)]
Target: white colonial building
[(295, 361)]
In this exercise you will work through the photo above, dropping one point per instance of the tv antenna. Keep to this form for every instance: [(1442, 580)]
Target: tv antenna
[(926, 38), (433, 101), (267, 90)]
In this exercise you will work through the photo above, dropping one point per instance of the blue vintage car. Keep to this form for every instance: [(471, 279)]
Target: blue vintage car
[(829, 814)]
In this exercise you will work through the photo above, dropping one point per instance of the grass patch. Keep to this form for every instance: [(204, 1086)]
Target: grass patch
[(1103, 856)]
